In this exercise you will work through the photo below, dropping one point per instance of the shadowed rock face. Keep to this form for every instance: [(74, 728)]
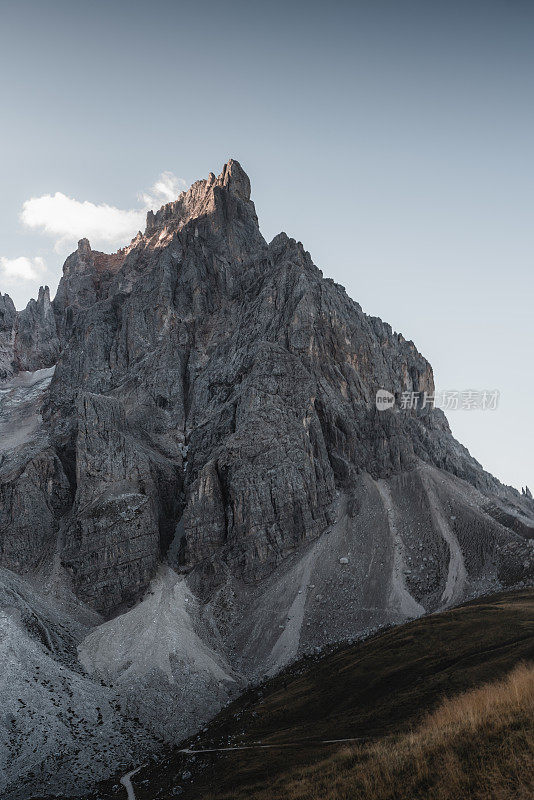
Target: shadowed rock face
[(37, 344), (8, 316), (28, 339), (213, 395)]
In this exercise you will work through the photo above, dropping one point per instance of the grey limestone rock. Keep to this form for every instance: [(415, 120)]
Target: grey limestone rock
[(214, 392), (36, 344), (28, 338), (7, 335), (191, 454)]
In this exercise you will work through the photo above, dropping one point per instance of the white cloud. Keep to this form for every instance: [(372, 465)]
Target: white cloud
[(13, 270), (67, 219), (166, 189)]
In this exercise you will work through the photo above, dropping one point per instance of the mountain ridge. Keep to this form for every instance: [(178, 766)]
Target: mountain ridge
[(210, 415), (244, 310)]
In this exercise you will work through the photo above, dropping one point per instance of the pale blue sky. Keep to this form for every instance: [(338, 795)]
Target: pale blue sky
[(394, 138)]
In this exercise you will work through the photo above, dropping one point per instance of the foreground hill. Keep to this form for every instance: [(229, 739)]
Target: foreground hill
[(380, 690)]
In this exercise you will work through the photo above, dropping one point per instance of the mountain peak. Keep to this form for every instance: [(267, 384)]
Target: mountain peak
[(84, 246), (234, 178), (220, 205), (199, 199), (44, 295)]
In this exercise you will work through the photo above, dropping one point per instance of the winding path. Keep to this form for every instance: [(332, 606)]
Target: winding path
[(188, 751), (126, 781)]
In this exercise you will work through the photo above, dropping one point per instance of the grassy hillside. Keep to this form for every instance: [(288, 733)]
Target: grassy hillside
[(390, 690), (479, 744)]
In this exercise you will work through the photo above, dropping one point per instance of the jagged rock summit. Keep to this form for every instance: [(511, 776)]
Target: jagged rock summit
[(28, 339), (212, 409)]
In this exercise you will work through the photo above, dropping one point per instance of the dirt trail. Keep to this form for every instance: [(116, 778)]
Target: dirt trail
[(305, 743), (126, 781)]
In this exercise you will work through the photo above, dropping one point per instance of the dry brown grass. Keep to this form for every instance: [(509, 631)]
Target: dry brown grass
[(476, 746)]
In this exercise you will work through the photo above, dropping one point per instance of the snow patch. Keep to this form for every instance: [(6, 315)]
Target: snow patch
[(20, 401), (26, 380)]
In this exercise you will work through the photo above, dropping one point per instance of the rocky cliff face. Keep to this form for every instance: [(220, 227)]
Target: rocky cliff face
[(215, 389), (205, 400), (28, 339), (8, 316), (37, 344)]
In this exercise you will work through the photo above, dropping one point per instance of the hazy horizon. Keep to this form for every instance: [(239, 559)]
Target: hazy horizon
[(393, 140)]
